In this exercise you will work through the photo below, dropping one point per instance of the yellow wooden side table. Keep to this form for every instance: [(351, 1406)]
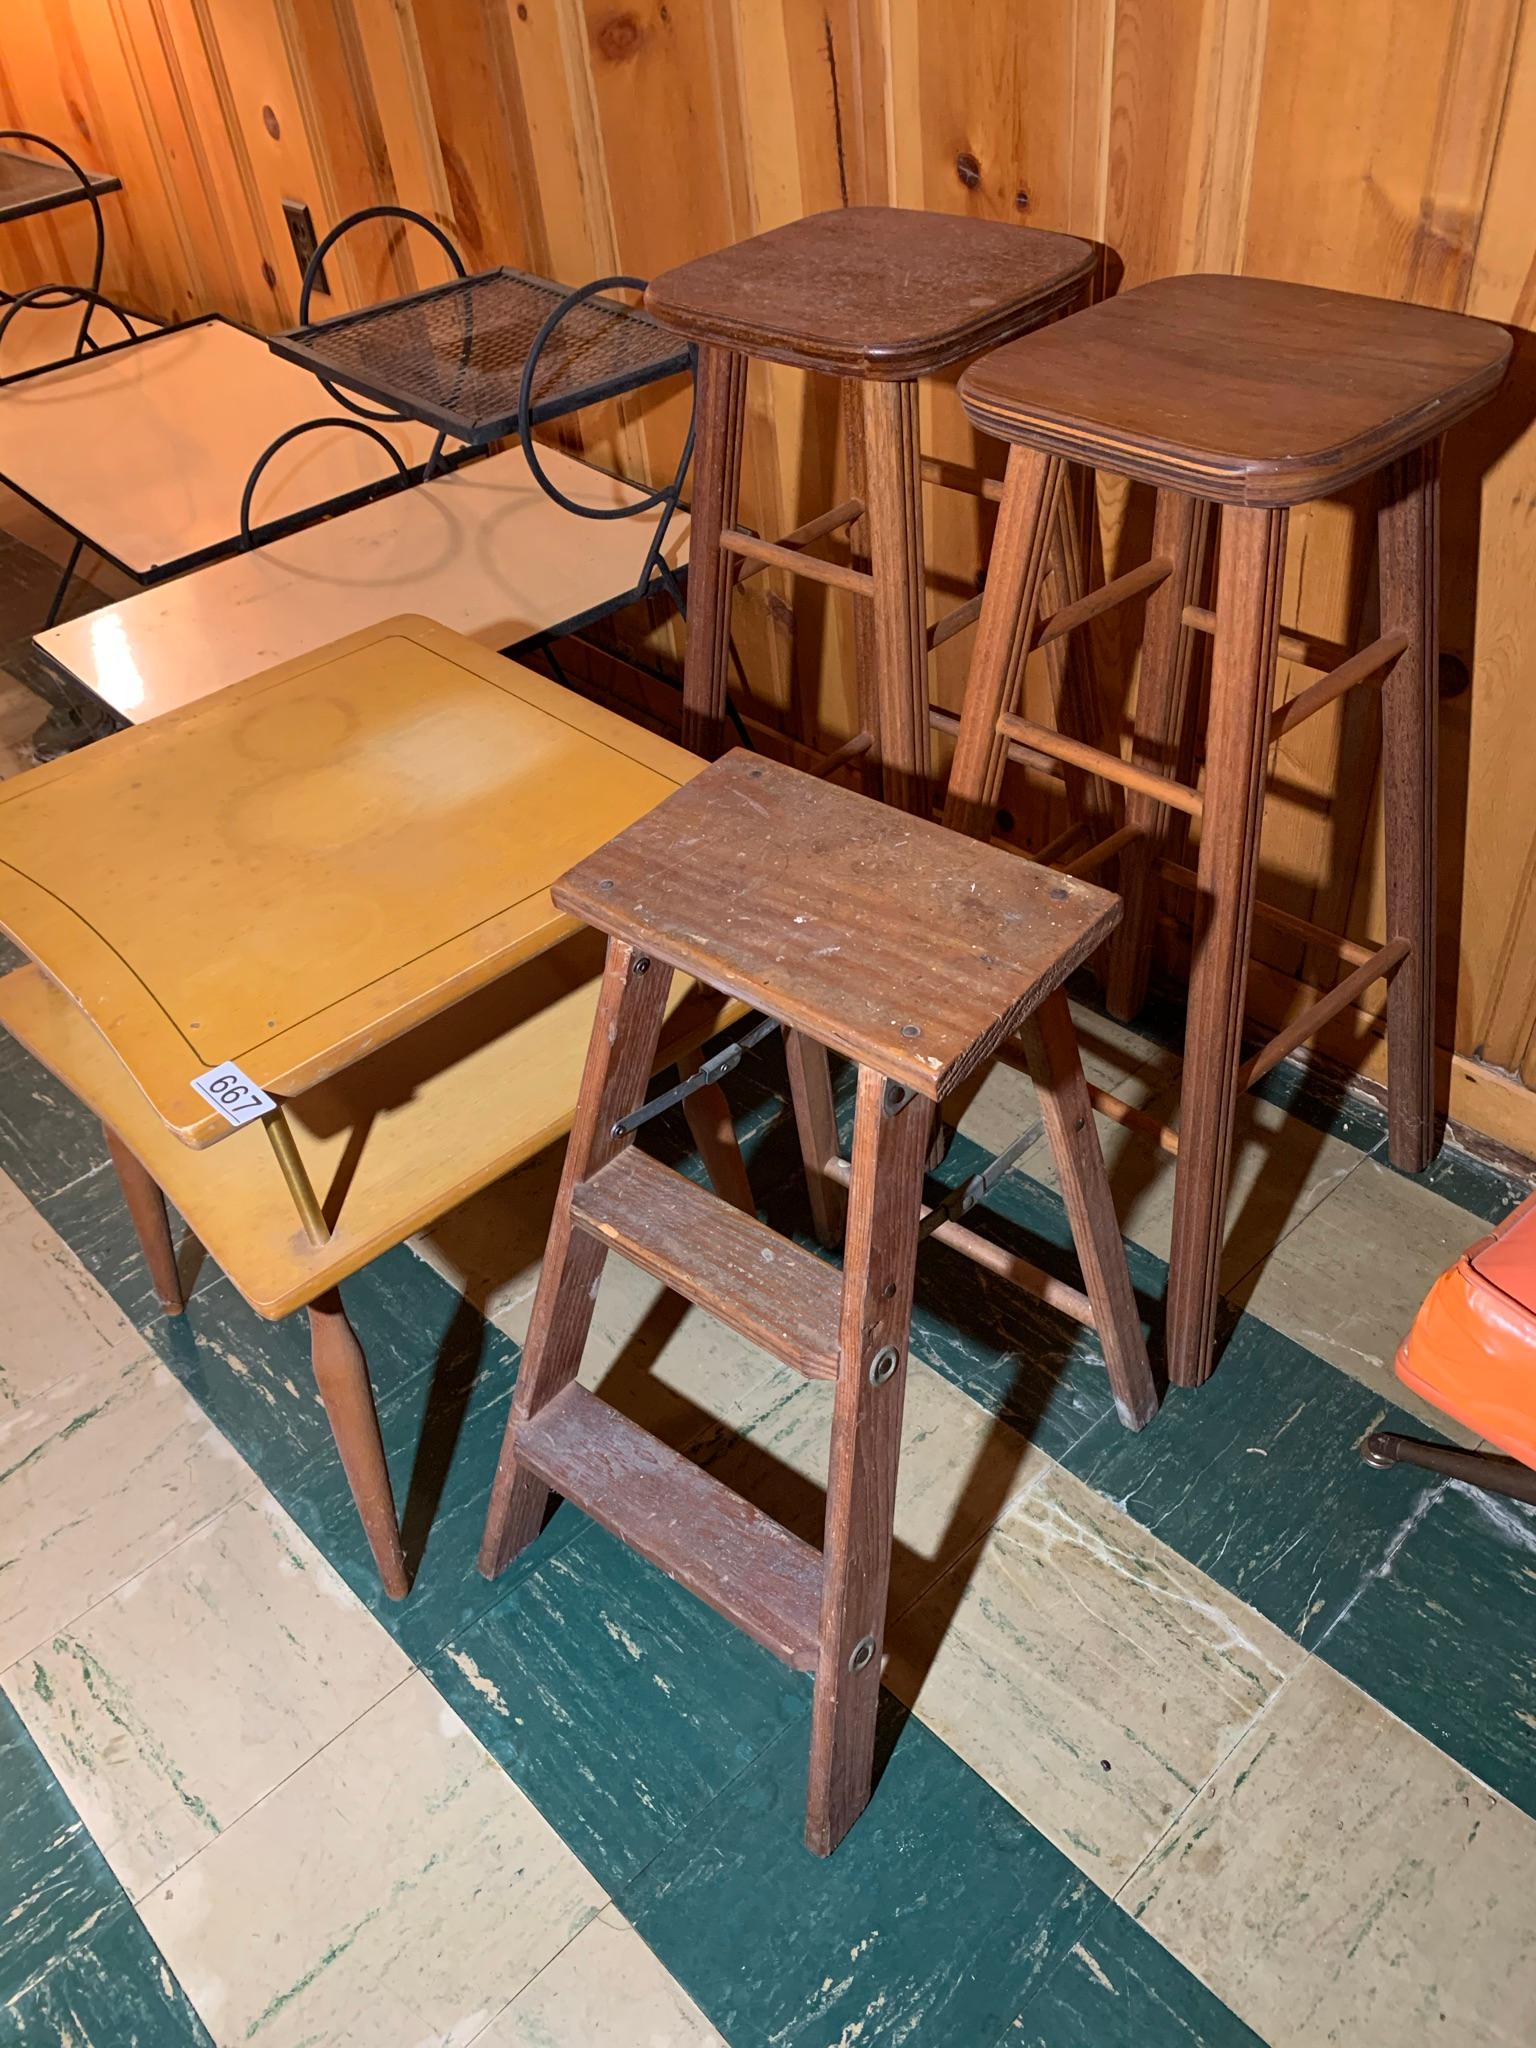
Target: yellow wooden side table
[(329, 885)]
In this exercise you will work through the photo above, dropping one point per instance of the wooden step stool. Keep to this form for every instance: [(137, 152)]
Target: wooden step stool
[(1252, 396), (876, 296), (914, 955)]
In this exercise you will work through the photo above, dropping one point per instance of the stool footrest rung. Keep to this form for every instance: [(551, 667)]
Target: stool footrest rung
[(772, 554), (746, 1565), (1060, 746), (765, 1287)]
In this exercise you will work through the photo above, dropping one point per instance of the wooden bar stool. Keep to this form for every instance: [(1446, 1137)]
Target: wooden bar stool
[(1251, 396), (914, 956), (875, 296)]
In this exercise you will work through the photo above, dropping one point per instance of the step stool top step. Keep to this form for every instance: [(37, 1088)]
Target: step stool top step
[(903, 946), (874, 291), (1243, 390)]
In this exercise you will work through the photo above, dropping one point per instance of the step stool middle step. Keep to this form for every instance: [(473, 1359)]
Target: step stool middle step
[(762, 1285)]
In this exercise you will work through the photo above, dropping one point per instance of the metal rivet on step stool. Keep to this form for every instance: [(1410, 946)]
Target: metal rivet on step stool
[(911, 1030), (642, 965), (863, 1650), (883, 1364), (895, 1097)]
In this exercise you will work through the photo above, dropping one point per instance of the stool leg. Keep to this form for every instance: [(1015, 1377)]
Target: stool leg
[(810, 1089), (620, 1056), (885, 1194), (893, 494), (713, 1130), (1075, 699), (1242, 687), (1020, 561), (152, 1227), (1050, 1047), (1408, 525), (721, 396), (341, 1374), (1179, 530), (865, 670)]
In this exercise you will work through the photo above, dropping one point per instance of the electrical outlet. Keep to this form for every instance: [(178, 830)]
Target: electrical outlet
[(301, 232)]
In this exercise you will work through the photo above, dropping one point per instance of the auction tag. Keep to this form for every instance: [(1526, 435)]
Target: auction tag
[(233, 1094)]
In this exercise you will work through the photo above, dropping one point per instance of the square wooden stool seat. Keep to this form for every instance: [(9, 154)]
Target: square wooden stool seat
[(334, 875), (873, 291), (1238, 398), (1239, 390), (876, 296), (914, 955)]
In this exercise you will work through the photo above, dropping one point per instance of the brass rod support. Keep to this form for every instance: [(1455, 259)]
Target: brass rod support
[(316, 1229)]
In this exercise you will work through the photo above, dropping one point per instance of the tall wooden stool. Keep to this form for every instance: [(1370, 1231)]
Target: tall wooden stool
[(1252, 396), (876, 296), (914, 956)]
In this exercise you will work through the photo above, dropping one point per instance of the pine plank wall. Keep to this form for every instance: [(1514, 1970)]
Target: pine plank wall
[(1383, 146)]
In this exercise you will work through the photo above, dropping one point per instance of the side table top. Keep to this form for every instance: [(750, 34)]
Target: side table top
[(298, 869)]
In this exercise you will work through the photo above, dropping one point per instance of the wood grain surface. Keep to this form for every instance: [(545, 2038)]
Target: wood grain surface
[(873, 291), (303, 867), (889, 939), (1246, 390)]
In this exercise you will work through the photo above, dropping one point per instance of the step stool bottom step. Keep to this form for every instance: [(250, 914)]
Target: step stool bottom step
[(765, 1580)]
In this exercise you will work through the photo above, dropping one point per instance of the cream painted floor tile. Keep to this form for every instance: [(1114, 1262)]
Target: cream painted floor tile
[(397, 1890), (1086, 1672), (58, 1320), (1342, 1881), (1348, 1281), (1281, 1170), (99, 1475), (959, 1469), (606, 1990), (490, 1248), (185, 1696), (666, 1364), (1113, 1055)]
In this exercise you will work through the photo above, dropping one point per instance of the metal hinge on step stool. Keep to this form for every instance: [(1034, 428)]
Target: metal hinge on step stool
[(715, 1068)]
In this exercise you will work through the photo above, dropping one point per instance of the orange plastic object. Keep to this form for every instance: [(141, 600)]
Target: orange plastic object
[(1472, 1348)]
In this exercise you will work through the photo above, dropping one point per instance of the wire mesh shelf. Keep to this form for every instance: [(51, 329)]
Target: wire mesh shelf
[(33, 184), (452, 355)]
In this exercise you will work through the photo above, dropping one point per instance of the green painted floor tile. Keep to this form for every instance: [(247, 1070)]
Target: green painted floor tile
[(48, 1138), (442, 1435), (1120, 1988), (112, 1990), (254, 1379), (619, 1703), (55, 1887), (1487, 1191), (1256, 1477), (1444, 1634), (1320, 1097), (935, 1921), (1038, 1370), (92, 1218)]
